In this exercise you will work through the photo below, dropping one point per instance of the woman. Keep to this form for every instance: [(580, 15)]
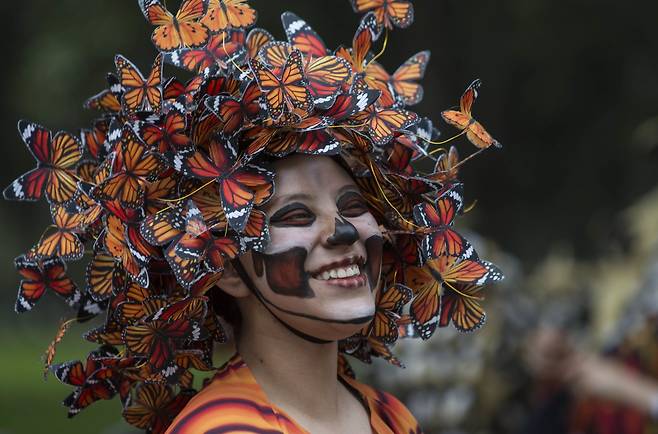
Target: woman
[(173, 192), (293, 314)]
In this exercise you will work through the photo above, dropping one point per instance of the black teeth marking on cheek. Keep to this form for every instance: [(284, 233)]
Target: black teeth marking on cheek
[(373, 266)]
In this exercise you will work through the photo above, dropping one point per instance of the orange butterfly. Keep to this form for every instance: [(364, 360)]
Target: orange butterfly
[(155, 407), (64, 242), (134, 166), (389, 13), (117, 244), (223, 14), (102, 275), (463, 120), (382, 123), (446, 168), (180, 31), (389, 303), (288, 92), (402, 84), (140, 93), (256, 39), (108, 99), (462, 308), (365, 34), (325, 75)]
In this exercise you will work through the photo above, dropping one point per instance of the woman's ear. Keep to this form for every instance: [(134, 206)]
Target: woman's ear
[(231, 283)]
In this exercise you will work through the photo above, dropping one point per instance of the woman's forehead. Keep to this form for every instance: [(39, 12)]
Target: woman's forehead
[(304, 175)]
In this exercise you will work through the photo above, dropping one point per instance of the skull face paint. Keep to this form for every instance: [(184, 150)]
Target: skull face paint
[(319, 273)]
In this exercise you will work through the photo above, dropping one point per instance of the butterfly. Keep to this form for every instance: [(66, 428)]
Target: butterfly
[(155, 406), (159, 340), (388, 304), (347, 104), (40, 276), (236, 112), (325, 75), (288, 91), (168, 134), (402, 84), (389, 13), (180, 31), (198, 245), (223, 14), (463, 120), (134, 166), (256, 39), (315, 142), (139, 303), (238, 183), (64, 242), (366, 33), (382, 123), (140, 93), (222, 51), (446, 168), (118, 245), (108, 100), (56, 160), (461, 306), (185, 93), (429, 281), (103, 276), (437, 218)]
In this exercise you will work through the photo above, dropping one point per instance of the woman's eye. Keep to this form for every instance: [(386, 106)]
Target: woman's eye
[(354, 208), (293, 217)]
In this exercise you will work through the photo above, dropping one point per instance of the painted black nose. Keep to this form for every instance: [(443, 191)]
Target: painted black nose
[(345, 234)]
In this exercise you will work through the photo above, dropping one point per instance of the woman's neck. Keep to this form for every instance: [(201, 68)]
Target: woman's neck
[(297, 375)]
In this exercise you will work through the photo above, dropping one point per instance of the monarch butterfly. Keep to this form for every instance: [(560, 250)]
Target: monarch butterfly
[(324, 75), (366, 33), (388, 304), (56, 159), (446, 168), (140, 93), (108, 100), (256, 39), (383, 123), (182, 30), (315, 142), (409, 191), (440, 238), (40, 276), (168, 134), (159, 340), (302, 37), (64, 242), (389, 13), (194, 308), (186, 93), (462, 307), (221, 52), (140, 303), (355, 100), (223, 14), (402, 84), (134, 166), (198, 243), (155, 406), (449, 271), (118, 245), (238, 183), (93, 140), (463, 120), (234, 112), (102, 276), (288, 92)]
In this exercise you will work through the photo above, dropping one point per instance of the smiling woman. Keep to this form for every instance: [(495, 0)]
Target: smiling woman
[(313, 286)]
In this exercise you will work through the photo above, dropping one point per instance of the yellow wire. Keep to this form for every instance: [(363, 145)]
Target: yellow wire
[(188, 194), (471, 206), (472, 297), (384, 44), (226, 52), (381, 190), (442, 142)]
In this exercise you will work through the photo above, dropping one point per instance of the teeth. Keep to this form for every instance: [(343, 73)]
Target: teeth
[(340, 273)]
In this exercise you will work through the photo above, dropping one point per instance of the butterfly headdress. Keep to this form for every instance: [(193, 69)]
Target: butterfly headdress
[(166, 185)]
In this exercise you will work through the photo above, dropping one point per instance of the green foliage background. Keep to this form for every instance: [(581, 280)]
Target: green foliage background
[(570, 89)]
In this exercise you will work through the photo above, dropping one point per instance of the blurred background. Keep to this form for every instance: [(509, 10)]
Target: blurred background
[(568, 208)]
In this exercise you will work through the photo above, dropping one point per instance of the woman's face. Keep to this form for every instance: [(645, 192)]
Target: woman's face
[(322, 266)]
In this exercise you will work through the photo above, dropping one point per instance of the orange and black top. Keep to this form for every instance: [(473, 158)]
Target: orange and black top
[(234, 402)]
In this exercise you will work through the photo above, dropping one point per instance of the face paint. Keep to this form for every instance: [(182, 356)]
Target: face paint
[(345, 234), (373, 266), (285, 272)]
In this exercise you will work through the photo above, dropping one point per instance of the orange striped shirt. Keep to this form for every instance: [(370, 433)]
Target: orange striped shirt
[(233, 402)]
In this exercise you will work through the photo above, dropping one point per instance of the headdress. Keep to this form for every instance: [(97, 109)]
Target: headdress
[(165, 187)]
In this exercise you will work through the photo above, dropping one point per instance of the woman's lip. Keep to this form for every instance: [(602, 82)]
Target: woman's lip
[(347, 282)]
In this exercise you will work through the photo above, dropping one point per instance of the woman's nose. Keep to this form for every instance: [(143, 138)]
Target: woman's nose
[(345, 234)]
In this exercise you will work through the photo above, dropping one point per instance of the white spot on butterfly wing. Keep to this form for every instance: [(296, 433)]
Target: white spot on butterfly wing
[(295, 26), (17, 187), (27, 132)]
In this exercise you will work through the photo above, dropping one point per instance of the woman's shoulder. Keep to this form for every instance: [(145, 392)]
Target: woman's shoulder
[(231, 402), (388, 409)]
